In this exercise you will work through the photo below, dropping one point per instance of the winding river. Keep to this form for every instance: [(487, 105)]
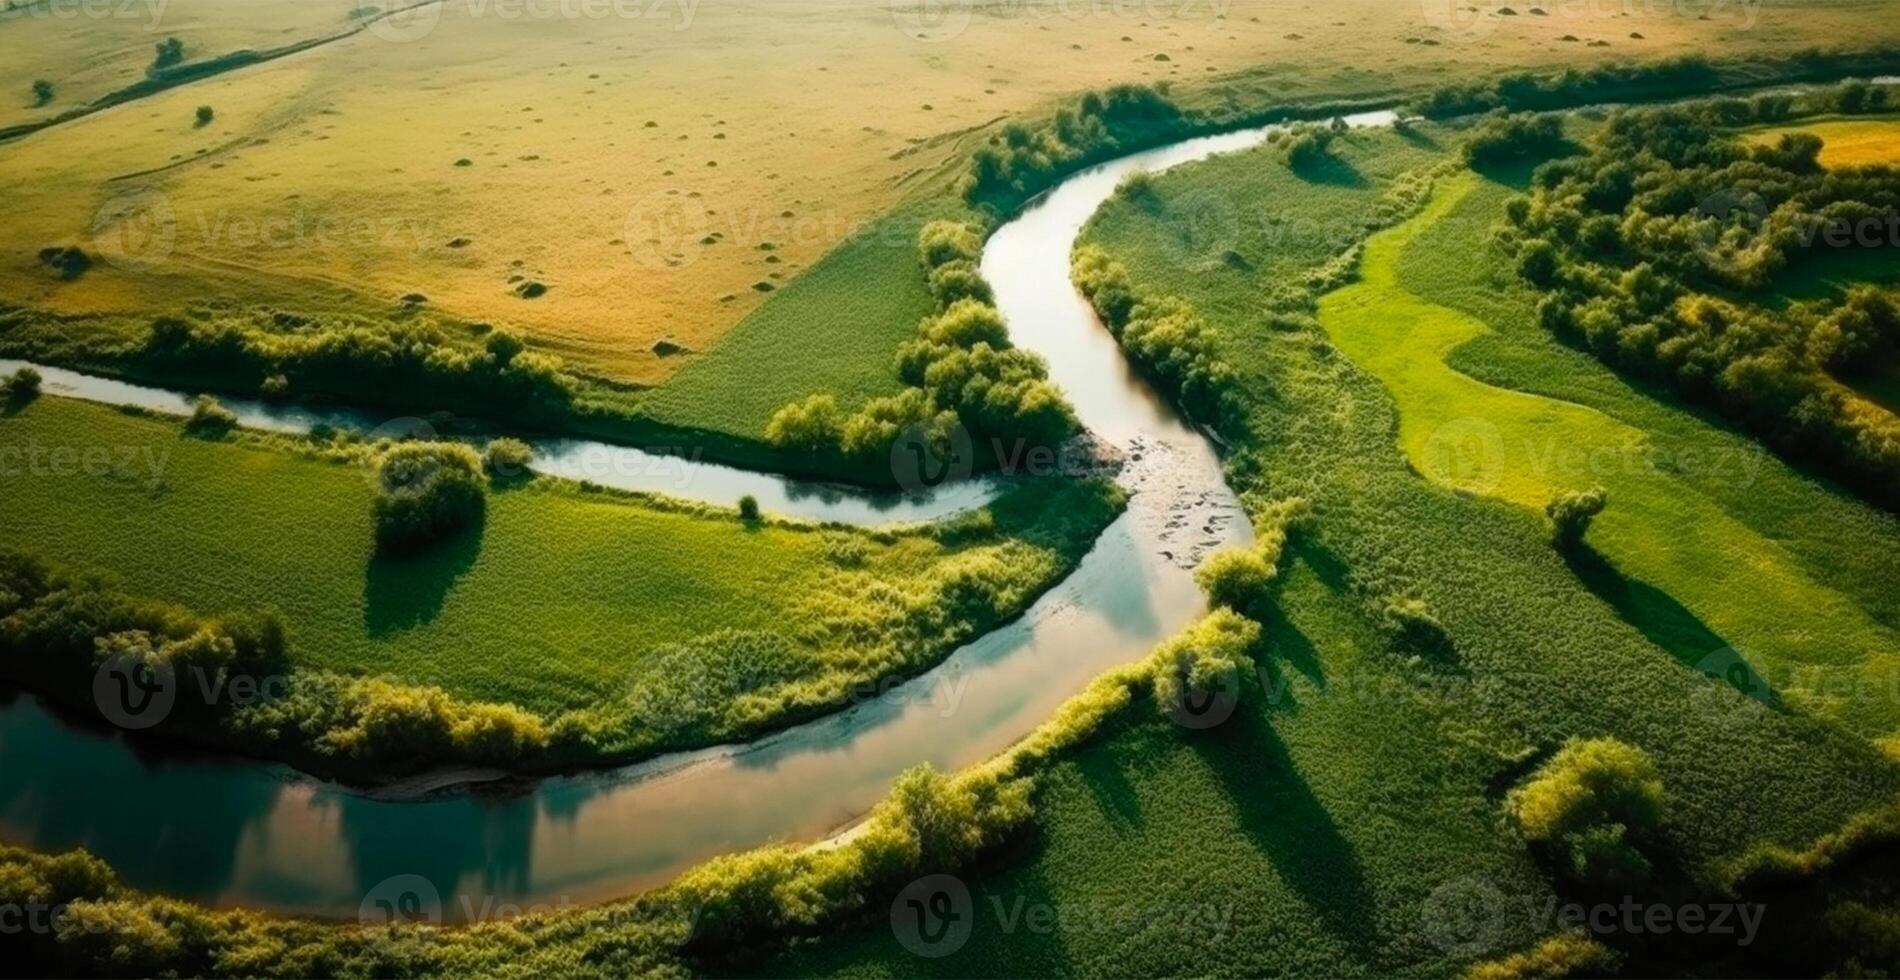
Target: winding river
[(230, 832)]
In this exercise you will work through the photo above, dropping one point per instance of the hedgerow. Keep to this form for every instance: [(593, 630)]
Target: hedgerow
[(1164, 336)]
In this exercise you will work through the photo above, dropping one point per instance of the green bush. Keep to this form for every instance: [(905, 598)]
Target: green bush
[(1571, 513), (1025, 159), (749, 509), (507, 459), (21, 386), (209, 417), (203, 115), (169, 53), (1217, 650), (1505, 137), (1415, 629), (1164, 337), (425, 492), (1595, 803), (42, 91)]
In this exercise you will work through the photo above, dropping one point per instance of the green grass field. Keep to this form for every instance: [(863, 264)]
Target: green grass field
[(1327, 819), (563, 599)]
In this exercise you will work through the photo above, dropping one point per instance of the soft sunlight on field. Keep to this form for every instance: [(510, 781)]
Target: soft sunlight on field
[(606, 181), (1847, 142)]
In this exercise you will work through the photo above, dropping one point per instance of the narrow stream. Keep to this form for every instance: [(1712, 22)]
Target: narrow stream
[(236, 833), (621, 467)]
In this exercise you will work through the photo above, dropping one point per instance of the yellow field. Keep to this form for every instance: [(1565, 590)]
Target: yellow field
[(1848, 142), (657, 165)]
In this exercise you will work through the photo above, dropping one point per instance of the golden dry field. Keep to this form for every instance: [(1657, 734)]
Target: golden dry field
[(1847, 142), (653, 169)]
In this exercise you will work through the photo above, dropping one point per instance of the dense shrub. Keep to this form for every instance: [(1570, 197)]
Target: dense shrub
[(20, 387), (1595, 804), (42, 92), (507, 459), (1242, 579), (1214, 652), (425, 491), (209, 417), (400, 365), (1307, 146), (1504, 137), (1024, 159), (1662, 251), (203, 115), (169, 54), (812, 424), (1415, 628), (1570, 515), (1164, 337), (69, 262), (749, 509)]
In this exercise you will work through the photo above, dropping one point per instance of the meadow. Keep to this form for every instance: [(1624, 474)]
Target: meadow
[(1333, 822), (626, 198), (1849, 142), (561, 600)]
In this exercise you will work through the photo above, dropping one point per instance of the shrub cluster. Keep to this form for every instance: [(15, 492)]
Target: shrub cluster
[(507, 459), (962, 373), (393, 364), (1570, 515), (1241, 579), (209, 417), (1662, 248), (1308, 146), (1594, 805), (1503, 137), (20, 387), (1164, 337), (425, 492), (1025, 159)]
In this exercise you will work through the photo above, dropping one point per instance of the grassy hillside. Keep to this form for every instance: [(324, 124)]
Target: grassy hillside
[(562, 599), (1339, 822)]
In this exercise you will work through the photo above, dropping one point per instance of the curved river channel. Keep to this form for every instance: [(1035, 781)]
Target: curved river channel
[(231, 832)]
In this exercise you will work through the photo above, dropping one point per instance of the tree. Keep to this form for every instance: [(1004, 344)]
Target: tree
[(507, 459), (170, 53), (204, 115), (1596, 802), (1235, 578), (42, 91), (1571, 513), (425, 492), (21, 387), (749, 509), (209, 417)]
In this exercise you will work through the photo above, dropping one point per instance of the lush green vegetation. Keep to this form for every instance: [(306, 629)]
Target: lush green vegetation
[(967, 382), (742, 625), (425, 493), (1329, 814), (1665, 248)]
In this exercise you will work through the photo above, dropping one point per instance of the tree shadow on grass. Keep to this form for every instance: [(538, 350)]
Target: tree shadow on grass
[(1104, 774), (405, 592), (1331, 171), (1280, 813), (1667, 623)]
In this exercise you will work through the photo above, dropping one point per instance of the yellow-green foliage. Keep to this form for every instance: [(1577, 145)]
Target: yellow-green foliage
[(1589, 783), (1563, 955), (1167, 338), (1195, 662), (1241, 578)]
